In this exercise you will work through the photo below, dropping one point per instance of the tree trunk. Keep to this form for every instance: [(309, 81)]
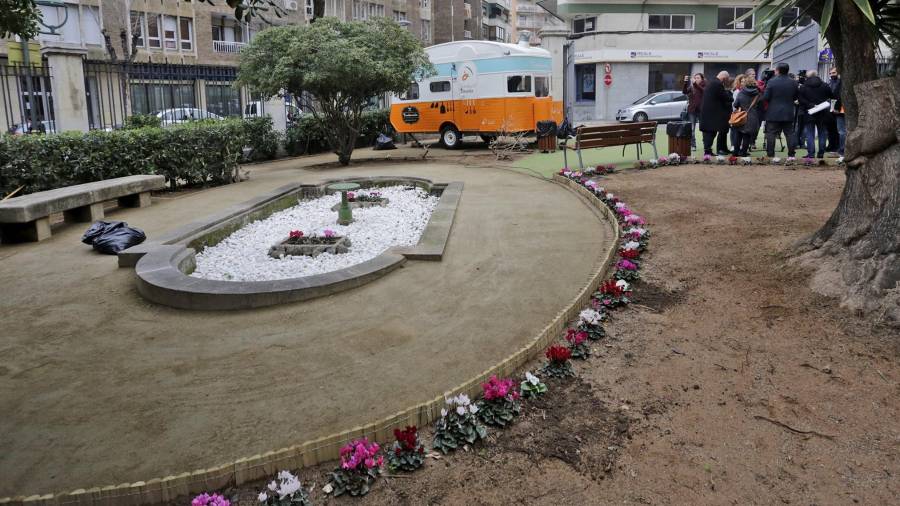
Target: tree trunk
[(856, 254)]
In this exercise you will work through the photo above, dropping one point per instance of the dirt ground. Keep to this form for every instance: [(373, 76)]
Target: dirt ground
[(100, 387), (728, 382)]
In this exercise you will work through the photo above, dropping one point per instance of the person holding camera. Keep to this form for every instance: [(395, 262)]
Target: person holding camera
[(715, 110), (693, 88), (811, 95), (780, 95), (840, 123)]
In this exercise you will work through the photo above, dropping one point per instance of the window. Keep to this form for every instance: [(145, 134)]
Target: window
[(541, 86), (187, 33), (426, 30), (439, 86), (584, 25), (153, 39), (728, 15), (667, 76), (170, 35), (399, 16), (501, 34), (518, 84), (791, 16), (223, 99), (137, 29), (585, 82), (423, 4), (310, 11), (150, 98), (412, 93), (671, 22)]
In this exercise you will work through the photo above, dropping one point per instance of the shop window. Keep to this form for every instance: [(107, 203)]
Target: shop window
[(585, 82), (667, 76), (518, 84), (728, 17), (584, 25), (439, 86), (541, 86), (671, 22)]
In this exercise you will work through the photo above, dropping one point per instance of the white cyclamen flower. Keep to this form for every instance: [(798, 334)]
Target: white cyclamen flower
[(531, 378), (463, 400), (622, 284), (610, 196), (263, 497), (632, 245), (590, 316), (443, 413), (461, 410), (620, 205), (289, 487), (473, 408), (636, 230), (273, 486)]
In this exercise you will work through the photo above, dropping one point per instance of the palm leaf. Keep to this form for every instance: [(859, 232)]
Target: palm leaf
[(866, 9), (827, 10)]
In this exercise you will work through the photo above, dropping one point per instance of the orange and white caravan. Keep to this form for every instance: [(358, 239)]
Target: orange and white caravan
[(480, 88)]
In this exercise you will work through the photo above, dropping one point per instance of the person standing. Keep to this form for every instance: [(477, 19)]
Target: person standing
[(811, 94), (693, 88), (780, 94), (715, 110), (735, 91), (835, 85), (761, 86), (748, 99)]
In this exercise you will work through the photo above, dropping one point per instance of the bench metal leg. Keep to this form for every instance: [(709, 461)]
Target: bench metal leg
[(565, 158), (136, 200), (655, 153), (33, 231), (580, 161), (86, 214)]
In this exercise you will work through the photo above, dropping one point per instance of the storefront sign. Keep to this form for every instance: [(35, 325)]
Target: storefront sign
[(613, 55)]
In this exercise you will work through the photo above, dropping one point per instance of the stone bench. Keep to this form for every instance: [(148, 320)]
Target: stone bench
[(27, 218)]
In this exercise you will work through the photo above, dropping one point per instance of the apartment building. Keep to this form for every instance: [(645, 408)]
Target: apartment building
[(530, 17), (109, 59), (473, 20), (649, 46)]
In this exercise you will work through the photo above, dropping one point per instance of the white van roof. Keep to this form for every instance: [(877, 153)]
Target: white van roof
[(476, 49)]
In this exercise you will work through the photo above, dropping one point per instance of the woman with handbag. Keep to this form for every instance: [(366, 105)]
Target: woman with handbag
[(735, 91), (746, 117)]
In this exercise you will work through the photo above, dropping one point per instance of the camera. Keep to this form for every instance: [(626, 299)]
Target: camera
[(801, 76), (767, 74)]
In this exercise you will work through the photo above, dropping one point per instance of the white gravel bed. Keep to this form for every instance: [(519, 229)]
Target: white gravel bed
[(243, 255)]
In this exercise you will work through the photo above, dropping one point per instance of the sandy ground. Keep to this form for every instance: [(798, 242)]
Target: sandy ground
[(98, 386), (729, 382)]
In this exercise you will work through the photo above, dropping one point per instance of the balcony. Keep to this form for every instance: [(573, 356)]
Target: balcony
[(467, 34), (224, 46), (528, 8)]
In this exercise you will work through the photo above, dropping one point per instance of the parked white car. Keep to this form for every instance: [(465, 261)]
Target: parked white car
[(662, 105), (183, 114)]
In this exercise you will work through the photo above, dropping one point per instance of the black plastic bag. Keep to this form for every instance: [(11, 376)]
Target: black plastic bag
[(565, 130), (678, 129), (118, 239), (384, 142), (99, 228)]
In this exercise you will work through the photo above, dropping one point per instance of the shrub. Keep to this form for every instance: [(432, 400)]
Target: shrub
[(195, 153), (142, 121), (309, 135), (261, 138)]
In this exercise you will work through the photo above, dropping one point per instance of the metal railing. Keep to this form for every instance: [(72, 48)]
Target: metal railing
[(27, 98), (224, 46)]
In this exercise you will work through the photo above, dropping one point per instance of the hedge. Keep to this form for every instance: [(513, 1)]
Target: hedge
[(309, 135), (190, 154)]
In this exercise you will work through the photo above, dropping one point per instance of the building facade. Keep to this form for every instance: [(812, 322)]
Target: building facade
[(473, 20), (627, 49), (530, 17), (110, 59)]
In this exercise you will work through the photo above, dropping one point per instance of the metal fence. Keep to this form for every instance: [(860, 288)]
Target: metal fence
[(27, 97)]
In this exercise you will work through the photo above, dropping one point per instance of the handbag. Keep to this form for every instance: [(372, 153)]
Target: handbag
[(739, 117)]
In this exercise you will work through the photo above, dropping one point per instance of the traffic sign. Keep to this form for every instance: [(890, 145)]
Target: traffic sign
[(607, 68), (607, 79)]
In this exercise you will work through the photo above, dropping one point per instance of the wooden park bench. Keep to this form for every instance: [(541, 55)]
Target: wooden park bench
[(27, 218), (622, 134)]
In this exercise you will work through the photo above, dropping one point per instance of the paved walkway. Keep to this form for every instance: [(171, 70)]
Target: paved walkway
[(99, 386)]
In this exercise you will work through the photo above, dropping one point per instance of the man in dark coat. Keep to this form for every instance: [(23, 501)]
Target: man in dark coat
[(693, 88), (715, 111), (814, 92), (780, 94), (840, 124)]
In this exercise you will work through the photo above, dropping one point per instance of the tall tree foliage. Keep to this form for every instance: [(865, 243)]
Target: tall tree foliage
[(335, 68), (856, 254)]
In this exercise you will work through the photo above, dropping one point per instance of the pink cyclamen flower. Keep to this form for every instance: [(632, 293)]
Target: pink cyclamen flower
[(328, 232), (626, 265), (634, 219)]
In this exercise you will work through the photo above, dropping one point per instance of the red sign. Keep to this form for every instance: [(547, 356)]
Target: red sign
[(607, 79)]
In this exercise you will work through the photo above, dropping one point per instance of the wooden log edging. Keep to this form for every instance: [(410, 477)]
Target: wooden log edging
[(324, 449)]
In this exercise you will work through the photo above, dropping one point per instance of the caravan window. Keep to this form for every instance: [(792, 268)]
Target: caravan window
[(439, 86), (412, 93), (518, 84), (541, 86)]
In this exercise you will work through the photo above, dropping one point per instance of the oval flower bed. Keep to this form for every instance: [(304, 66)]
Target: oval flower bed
[(244, 255)]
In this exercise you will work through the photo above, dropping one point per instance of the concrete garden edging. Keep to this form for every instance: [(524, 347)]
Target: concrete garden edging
[(162, 269), (310, 453)]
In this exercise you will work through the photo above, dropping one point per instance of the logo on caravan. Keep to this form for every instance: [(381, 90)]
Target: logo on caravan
[(468, 78), (410, 115)]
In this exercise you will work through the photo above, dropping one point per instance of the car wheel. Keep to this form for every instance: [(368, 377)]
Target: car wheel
[(640, 117), (450, 137)]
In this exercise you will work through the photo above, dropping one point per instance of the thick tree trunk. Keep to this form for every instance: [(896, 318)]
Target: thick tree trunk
[(856, 254)]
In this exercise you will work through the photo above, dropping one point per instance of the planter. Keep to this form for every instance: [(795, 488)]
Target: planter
[(357, 204), (310, 247)]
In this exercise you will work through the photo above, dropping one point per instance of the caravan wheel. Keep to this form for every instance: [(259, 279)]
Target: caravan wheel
[(450, 137)]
